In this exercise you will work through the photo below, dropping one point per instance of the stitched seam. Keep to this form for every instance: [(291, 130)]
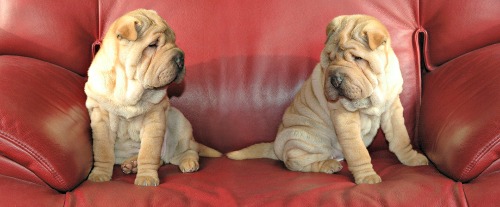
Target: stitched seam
[(25, 181), (43, 162), (479, 155)]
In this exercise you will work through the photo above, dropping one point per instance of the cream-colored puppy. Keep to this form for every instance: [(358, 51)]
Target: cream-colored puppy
[(132, 121), (352, 92)]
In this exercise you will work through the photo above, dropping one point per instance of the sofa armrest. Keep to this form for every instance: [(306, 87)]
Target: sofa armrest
[(460, 114), (44, 125)]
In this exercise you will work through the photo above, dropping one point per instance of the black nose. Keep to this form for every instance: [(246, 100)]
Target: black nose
[(179, 60), (336, 80)]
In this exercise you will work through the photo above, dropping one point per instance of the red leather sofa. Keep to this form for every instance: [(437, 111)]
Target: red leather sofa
[(245, 61)]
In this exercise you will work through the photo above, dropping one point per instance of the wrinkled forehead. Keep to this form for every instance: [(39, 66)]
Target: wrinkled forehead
[(348, 30), (150, 22)]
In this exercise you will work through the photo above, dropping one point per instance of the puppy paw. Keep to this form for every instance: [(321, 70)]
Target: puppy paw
[(129, 166), (330, 166), (189, 165), (369, 179), (417, 160), (145, 180), (99, 177)]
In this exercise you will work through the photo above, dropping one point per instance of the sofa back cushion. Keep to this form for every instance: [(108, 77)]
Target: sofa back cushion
[(460, 131), (457, 27), (245, 60), (58, 32)]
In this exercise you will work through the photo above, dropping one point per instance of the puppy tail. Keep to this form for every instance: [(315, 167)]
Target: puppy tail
[(205, 151), (261, 150)]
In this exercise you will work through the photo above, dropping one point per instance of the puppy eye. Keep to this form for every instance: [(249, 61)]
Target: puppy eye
[(356, 58), (153, 44)]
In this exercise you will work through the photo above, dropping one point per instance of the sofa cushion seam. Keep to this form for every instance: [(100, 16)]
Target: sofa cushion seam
[(33, 154), (478, 156)]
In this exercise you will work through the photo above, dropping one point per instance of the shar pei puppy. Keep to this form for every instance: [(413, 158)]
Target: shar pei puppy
[(132, 121), (352, 92)]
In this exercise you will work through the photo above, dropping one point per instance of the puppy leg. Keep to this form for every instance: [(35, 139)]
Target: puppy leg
[(103, 142), (130, 165), (180, 141), (397, 136), (348, 129), (306, 153), (152, 137)]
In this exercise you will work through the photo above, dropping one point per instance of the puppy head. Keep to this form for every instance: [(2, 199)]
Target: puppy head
[(355, 58), (145, 46)]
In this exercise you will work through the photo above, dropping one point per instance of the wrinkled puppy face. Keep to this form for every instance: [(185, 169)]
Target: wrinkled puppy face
[(354, 57), (146, 48)]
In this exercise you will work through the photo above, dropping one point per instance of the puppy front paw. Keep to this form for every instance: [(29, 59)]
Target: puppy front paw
[(417, 160), (145, 180), (189, 165), (369, 179), (99, 176)]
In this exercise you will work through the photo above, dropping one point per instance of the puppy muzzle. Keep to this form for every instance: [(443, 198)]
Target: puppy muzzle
[(178, 59), (167, 70), (341, 83)]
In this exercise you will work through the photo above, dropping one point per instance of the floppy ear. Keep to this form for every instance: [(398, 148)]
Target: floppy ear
[(334, 25), (330, 29), (127, 28), (375, 38)]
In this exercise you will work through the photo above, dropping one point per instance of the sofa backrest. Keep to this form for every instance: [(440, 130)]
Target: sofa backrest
[(246, 60), (453, 28), (58, 32)]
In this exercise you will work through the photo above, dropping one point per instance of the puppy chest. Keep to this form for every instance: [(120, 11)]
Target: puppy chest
[(127, 128), (369, 127)]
